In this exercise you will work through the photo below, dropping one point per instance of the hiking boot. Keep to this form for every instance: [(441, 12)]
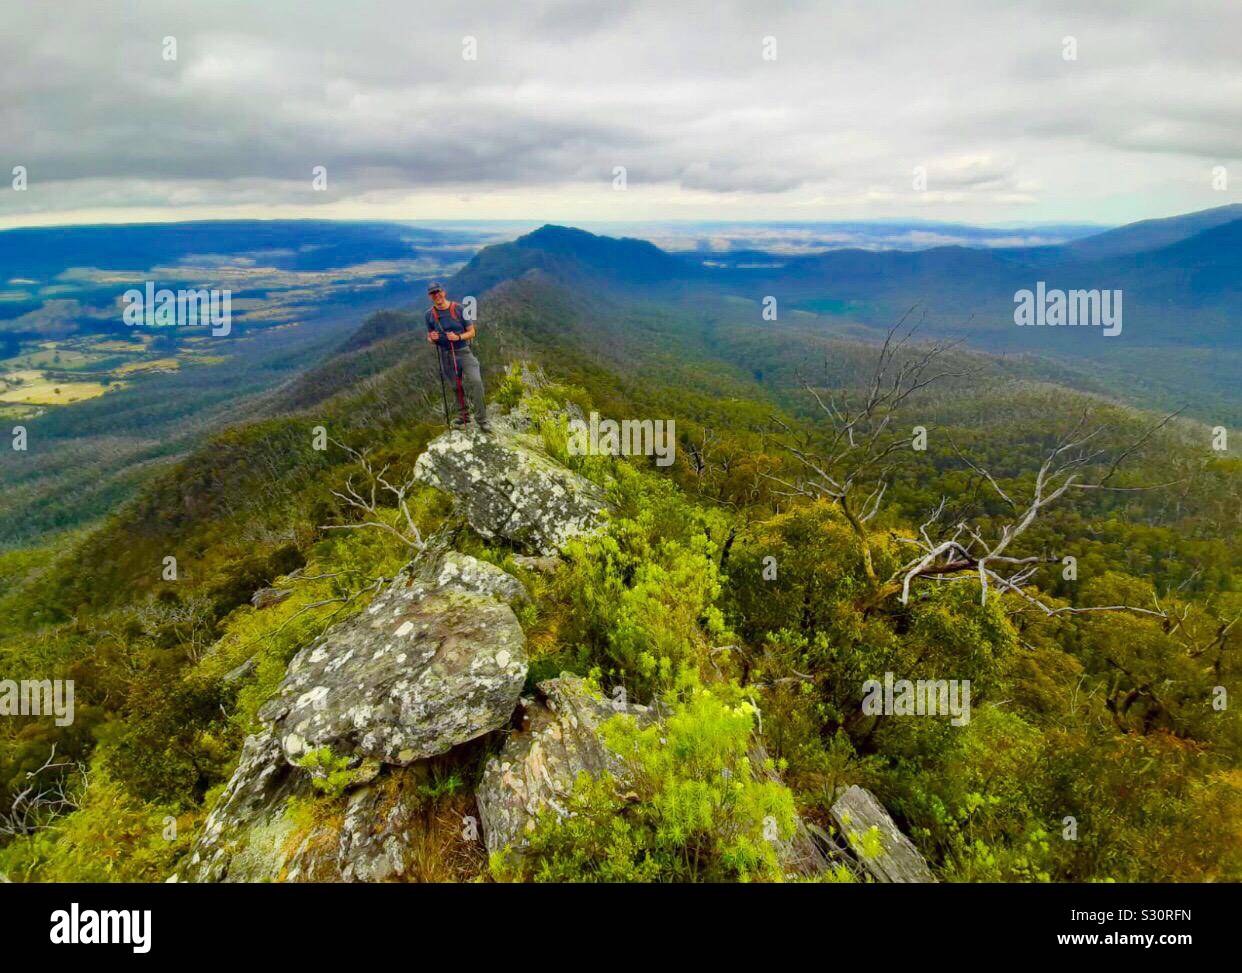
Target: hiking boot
[(485, 426), (457, 422)]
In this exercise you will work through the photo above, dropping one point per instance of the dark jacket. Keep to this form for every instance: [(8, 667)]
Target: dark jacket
[(450, 319)]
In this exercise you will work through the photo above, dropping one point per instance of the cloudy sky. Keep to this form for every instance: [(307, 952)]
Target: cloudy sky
[(716, 110)]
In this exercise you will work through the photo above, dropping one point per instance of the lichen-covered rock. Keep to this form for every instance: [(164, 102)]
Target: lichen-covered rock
[(245, 833), (264, 829), (436, 660), (886, 853), (370, 842), (538, 767), (506, 486), (470, 574)]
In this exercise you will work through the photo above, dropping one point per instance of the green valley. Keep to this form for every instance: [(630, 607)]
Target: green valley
[(845, 503)]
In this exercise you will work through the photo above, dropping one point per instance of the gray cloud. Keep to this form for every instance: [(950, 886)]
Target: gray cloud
[(975, 91)]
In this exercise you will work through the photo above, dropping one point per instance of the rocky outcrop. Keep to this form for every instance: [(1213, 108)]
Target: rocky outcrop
[(264, 828), (875, 841), (437, 660), (537, 768), (506, 486), (544, 565), (244, 837)]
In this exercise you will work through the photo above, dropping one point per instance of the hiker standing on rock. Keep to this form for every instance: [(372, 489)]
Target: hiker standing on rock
[(451, 333)]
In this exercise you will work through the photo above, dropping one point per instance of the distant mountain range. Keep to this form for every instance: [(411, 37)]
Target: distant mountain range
[(1153, 234), (631, 306), (1179, 276), (1181, 280)]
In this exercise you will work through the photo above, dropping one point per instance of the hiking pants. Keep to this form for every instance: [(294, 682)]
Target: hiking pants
[(471, 380)]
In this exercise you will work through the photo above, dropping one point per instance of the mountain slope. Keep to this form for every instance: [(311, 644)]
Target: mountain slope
[(1151, 234), (673, 603)]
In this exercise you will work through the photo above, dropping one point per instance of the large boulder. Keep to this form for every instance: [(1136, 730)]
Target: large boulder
[(506, 486), (537, 768), (875, 840), (437, 660)]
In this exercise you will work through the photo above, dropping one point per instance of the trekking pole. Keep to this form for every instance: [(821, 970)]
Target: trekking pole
[(461, 395), (443, 393)]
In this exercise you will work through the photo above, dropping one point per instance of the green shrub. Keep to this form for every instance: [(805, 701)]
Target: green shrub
[(330, 773), (111, 837), (691, 807)]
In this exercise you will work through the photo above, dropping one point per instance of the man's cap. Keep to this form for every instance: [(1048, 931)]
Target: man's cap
[(434, 286)]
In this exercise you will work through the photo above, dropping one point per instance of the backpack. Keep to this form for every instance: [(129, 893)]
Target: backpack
[(452, 309), (452, 313)]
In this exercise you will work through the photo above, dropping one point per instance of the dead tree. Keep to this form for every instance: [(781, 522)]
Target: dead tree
[(191, 621), (366, 500), (701, 457), (852, 465), (966, 550), (42, 799)]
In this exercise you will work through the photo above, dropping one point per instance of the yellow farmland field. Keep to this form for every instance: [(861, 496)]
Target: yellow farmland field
[(156, 365), (44, 392), (121, 346)]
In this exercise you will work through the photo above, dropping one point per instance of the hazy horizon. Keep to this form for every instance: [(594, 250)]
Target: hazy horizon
[(782, 238)]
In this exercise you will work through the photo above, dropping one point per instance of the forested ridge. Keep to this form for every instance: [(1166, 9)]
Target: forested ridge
[(750, 590)]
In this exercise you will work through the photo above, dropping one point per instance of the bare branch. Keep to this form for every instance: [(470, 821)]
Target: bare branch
[(967, 549), (369, 505), (36, 806)]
